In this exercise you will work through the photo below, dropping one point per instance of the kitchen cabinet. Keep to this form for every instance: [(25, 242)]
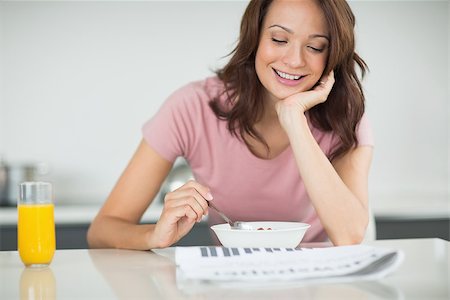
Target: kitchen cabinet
[(73, 236), (394, 228), (72, 222), (67, 236)]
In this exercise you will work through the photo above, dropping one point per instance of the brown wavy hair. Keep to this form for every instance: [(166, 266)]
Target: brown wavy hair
[(345, 104)]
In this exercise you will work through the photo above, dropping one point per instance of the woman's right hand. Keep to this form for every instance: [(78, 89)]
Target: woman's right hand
[(182, 208)]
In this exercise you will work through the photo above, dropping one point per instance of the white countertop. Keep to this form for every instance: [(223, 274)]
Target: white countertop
[(125, 274), (412, 207)]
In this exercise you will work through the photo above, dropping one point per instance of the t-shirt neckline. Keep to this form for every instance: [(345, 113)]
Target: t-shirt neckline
[(262, 162)]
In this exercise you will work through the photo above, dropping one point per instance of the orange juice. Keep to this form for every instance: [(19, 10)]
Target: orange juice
[(36, 233)]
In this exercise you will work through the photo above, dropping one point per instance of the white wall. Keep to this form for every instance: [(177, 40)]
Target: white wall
[(83, 77), (406, 45), (2, 125), (80, 78)]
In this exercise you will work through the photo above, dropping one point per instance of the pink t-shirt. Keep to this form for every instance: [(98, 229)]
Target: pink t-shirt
[(244, 186)]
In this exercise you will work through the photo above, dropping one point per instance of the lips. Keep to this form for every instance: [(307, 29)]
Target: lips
[(288, 76)]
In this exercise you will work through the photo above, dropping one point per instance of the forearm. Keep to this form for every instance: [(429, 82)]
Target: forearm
[(342, 214), (112, 232)]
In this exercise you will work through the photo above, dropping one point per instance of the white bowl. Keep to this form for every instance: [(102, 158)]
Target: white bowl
[(280, 234)]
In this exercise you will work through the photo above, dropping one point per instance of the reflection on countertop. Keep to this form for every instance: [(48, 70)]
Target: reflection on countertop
[(127, 274), (156, 278)]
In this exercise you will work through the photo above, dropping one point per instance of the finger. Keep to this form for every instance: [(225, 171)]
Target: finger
[(326, 83), (173, 214), (188, 192), (331, 78), (323, 79), (328, 80), (173, 224), (189, 197), (202, 190)]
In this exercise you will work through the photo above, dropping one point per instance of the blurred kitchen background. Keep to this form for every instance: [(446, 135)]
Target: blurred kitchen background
[(78, 80)]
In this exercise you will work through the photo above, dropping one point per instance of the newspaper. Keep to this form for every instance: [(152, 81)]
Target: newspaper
[(343, 263)]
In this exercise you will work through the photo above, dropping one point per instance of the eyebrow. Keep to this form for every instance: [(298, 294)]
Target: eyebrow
[(312, 36), (291, 31), (282, 27)]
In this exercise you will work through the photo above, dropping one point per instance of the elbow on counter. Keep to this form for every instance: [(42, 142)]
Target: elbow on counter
[(91, 236), (354, 236)]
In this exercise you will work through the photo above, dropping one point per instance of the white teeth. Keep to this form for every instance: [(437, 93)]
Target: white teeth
[(287, 76)]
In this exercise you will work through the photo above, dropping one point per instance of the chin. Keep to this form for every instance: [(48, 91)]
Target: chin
[(281, 95), (284, 92)]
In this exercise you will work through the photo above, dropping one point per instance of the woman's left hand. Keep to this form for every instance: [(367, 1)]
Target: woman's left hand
[(289, 108)]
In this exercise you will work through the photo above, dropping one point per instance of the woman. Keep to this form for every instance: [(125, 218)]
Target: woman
[(278, 134)]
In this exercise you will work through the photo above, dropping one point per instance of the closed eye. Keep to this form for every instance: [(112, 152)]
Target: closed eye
[(316, 49), (279, 41)]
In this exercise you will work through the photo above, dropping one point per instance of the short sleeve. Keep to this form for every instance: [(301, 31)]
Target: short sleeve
[(169, 131), (364, 132)]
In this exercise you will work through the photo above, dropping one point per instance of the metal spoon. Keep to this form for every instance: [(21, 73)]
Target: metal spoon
[(233, 224)]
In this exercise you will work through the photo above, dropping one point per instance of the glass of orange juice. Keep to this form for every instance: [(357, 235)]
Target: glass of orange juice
[(36, 224)]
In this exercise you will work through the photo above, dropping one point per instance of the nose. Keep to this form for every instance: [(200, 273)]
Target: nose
[(294, 57)]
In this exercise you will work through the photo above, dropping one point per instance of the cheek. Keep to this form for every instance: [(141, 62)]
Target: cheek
[(265, 54), (258, 62), (319, 64)]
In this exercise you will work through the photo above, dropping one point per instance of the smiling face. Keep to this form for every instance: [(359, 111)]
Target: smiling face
[(293, 47)]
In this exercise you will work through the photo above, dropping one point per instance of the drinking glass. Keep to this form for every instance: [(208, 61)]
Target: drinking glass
[(36, 223)]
